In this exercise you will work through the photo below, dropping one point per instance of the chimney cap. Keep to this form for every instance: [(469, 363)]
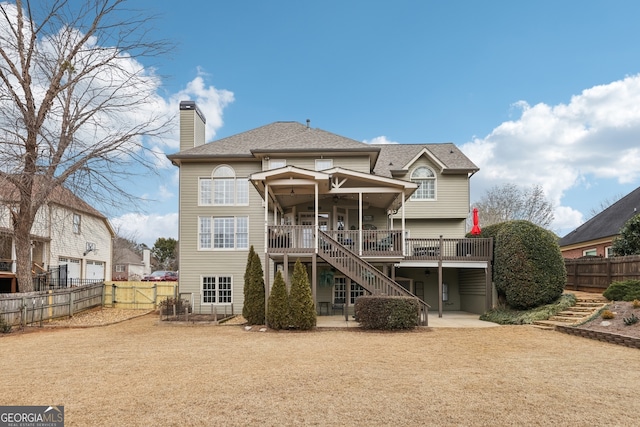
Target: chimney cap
[(191, 105)]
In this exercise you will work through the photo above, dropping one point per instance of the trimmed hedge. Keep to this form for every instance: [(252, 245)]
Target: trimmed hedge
[(529, 270), (386, 312), (626, 290)]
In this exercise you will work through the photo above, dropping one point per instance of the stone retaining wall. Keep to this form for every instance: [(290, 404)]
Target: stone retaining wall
[(601, 336)]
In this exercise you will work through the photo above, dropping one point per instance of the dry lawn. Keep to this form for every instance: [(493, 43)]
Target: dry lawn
[(142, 373)]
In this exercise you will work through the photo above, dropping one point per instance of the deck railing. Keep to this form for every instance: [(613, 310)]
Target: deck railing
[(301, 239), (466, 249)]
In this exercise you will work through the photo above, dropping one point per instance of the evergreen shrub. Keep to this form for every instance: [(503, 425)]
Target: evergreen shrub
[(302, 309), (387, 312), (624, 290), (278, 305), (529, 270), (253, 309)]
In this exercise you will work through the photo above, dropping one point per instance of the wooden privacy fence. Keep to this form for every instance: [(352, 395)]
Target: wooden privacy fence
[(138, 295), (37, 307), (596, 274)]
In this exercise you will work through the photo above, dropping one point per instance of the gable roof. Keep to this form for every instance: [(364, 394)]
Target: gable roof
[(397, 158), (284, 137), (59, 195), (607, 223), (288, 138)]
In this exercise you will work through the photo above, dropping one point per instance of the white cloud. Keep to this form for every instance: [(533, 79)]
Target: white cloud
[(147, 228), (379, 140), (594, 136)]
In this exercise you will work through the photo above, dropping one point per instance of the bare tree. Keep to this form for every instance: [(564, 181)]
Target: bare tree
[(604, 204), (509, 202), (75, 105)]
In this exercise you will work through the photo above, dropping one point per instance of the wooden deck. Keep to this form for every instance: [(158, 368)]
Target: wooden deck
[(292, 239)]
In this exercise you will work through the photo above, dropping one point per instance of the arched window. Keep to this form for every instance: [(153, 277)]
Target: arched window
[(224, 188), (426, 179)]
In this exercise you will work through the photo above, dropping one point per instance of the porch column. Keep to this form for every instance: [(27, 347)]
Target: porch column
[(285, 269), (404, 246), (14, 258), (315, 243), (360, 223), (267, 287), (266, 217), (440, 278), (314, 279), (347, 298)]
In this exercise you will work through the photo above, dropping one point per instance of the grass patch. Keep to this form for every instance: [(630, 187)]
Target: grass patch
[(508, 316)]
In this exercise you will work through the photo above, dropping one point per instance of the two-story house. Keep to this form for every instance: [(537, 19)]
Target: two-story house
[(68, 237), (380, 219)]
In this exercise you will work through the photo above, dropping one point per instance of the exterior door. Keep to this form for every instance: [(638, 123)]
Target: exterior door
[(308, 221)]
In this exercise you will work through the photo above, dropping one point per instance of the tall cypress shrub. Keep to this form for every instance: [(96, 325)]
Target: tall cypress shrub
[(278, 305), (303, 313), (254, 293)]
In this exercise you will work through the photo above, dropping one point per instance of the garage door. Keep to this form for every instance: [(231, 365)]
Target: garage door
[(73, 267), (95, 270)]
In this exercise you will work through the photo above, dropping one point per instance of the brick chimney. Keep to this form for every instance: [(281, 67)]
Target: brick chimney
[(192, 123)]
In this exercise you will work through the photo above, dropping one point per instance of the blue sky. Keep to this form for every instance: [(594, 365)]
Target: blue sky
[(544, 92)]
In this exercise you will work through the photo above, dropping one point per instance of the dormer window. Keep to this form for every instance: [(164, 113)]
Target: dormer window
[(426, 179)]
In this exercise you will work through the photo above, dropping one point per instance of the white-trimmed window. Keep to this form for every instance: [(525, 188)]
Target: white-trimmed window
[(224, 188), (121, 268), (217, 289), (608, 252), (323, 164), (223, 232), (340, 290), (77, 220), (590, 252), (277, 163), (426, 179)]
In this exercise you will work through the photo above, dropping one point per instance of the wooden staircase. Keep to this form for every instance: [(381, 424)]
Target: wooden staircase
[(364, 274), (587, 304)]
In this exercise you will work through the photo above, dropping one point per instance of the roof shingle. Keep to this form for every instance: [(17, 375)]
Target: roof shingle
[(608, 222)]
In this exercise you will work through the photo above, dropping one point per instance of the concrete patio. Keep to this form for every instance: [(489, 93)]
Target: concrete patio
[(449, 319)]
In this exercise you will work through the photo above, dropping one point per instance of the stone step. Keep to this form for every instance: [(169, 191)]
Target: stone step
[(583, 310), (572, 313), (565, 320), (590, 304)]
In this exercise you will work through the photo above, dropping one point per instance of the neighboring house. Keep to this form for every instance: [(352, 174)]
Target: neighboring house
[(68, 236), (595, 237), (130, 266), (364, 219)]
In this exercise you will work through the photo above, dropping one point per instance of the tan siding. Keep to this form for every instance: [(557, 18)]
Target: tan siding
[(194, 263), (452, 196), (433, 228), (356, 163)]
